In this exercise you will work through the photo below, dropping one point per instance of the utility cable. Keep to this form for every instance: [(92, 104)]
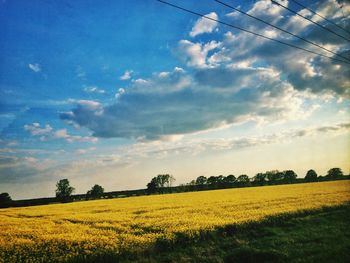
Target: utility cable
[(281, 29), (250, 32), (324, 18), (308, 19)]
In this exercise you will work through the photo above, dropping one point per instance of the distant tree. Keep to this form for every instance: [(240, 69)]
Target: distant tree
[(220, 178), (334, 173), (5, 198), (260, 178), (212, 180), (152, 186), (311, 176), (159, 182), (201, 180), (274, 176), (164, 180), (171, 180), (193, 182), (230, 179), (243, 180), (64, 190), (289, 176), (96, 191)]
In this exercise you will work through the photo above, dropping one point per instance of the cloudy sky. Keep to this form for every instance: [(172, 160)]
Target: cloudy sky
[(117, 92)]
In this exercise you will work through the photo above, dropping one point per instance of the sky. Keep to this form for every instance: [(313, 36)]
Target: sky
[(117, 92)]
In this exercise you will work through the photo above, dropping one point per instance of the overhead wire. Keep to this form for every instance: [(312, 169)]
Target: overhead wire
[(323, 17), (310, 20), (250, 32), (281, 29)]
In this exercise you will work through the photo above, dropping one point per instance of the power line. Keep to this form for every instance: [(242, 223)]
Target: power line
[(308, 19), (281, 29), (250, 32), (326, 19), (341, 8)]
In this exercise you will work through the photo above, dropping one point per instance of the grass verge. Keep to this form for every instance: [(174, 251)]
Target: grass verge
[(321, 235)]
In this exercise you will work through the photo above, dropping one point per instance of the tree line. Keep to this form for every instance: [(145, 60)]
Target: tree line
[(163, 183), (273, 177)]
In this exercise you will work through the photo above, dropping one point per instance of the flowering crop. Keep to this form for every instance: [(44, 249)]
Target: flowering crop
[(59, 232)]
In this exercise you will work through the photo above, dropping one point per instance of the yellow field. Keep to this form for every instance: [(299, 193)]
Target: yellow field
[(58, 232)]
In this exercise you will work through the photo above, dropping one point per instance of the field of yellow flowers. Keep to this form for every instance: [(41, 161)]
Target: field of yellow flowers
[(59, 232)]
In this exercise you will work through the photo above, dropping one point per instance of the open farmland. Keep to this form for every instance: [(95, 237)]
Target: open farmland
[(61, 232)]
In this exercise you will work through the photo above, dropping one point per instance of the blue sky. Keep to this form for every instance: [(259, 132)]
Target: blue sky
[(116, 93)]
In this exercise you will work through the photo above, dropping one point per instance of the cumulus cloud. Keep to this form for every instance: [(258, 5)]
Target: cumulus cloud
[(35, 129), (196, 54), (236, 78), (126, 75), (304, 71), (120, 92), (13, 168), (35, 67), (47, 132), (172, 103), (204, 25)]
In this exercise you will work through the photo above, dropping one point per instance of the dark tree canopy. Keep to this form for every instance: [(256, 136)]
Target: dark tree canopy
[(274, 176), (311, 176), (96, 191), (152, 186), (243, 178), (260, 178), (212, 180), (160, 181), (64, 190), (201, 180), (230, 179), (289, 176), (5, 197), (334, 173)]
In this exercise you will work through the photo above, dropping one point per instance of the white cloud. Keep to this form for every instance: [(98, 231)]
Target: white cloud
[(237, 78), (35, 67), (140, 81), (94, 89), (174, 104), (62, 134), (48, 132), (204, 25), (120, 92), (35, 129), (126, 75), (195, 54)]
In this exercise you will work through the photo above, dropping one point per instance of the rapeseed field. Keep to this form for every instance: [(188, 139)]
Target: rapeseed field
[(61, 232)]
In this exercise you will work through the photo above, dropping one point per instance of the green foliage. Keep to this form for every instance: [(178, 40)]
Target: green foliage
[(243, 178), (311, 176), (289, 176), (64, 190), (95, 192), (230, 179), (5, 198), (260, 178), (334, 173), (201, 180), (274, 176), (159, 182), (152, 186), (212, 180)]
